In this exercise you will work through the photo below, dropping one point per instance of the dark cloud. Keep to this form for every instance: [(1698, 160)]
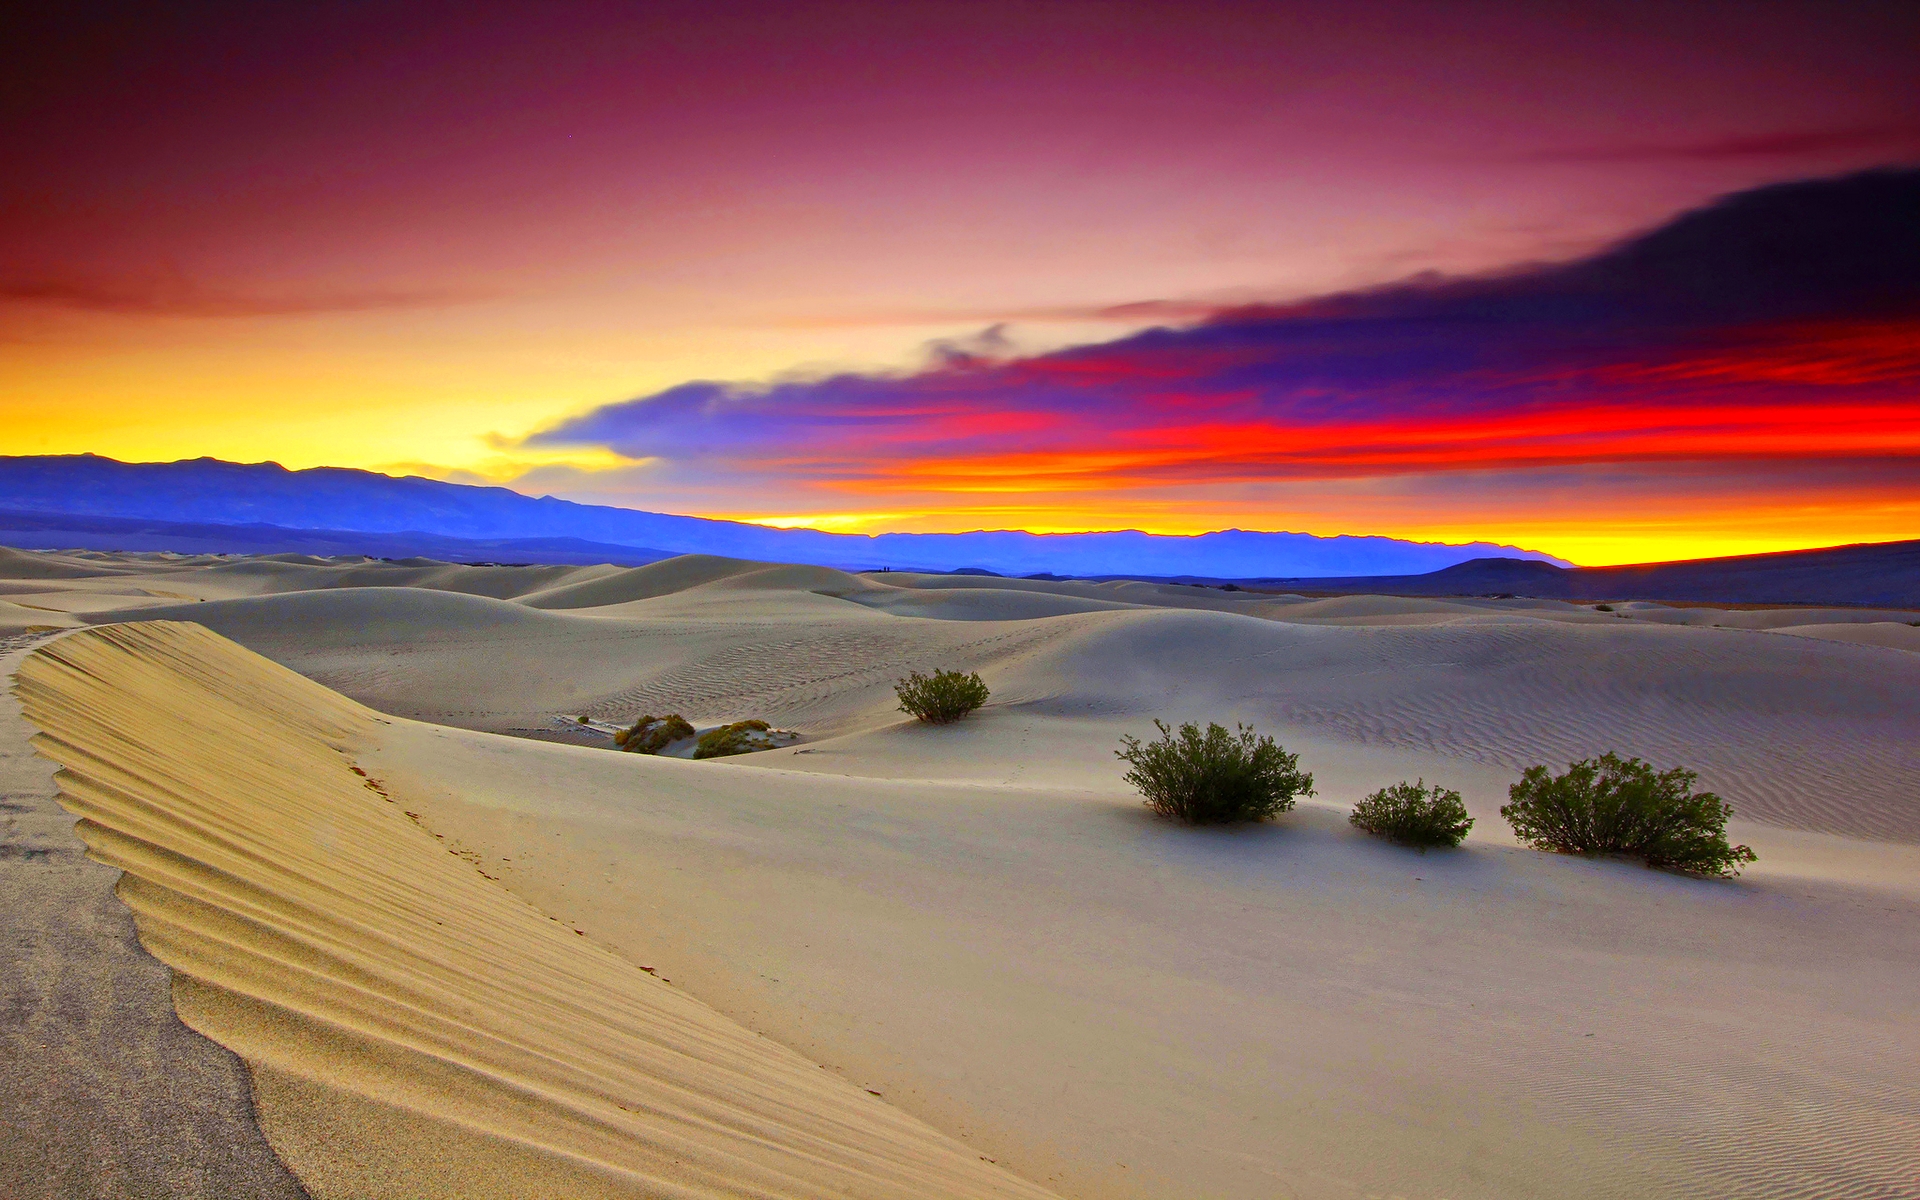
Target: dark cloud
[(1726, 332), (1846, 247)]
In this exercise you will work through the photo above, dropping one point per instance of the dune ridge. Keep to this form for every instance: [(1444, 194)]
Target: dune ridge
[(413, 1027), (104, 1093)]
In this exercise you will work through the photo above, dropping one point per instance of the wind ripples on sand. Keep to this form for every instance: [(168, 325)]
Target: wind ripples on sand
[(981, 921)]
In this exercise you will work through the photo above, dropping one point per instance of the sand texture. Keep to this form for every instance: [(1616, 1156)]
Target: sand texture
[(103, 1092), (982, 923), (412, 1027), (1504, 683)]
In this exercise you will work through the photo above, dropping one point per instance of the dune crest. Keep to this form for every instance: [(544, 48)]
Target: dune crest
[(413, 1028)]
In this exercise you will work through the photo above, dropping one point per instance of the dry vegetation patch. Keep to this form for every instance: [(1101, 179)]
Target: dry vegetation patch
[(1614, 805), (942, 697), (1415, 814), (651, 734), (741, 737), (1213, 777)]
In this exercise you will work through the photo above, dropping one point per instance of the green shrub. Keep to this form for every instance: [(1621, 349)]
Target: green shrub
[(651, 734), (741, 737), (941, 697), (1415, 815), (1611, 805), (1213, 777)]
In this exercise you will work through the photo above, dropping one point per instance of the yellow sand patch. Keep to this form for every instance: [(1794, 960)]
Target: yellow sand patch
[(414, 1028)]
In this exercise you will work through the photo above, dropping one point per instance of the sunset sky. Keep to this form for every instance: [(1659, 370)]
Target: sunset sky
[(901, 266)]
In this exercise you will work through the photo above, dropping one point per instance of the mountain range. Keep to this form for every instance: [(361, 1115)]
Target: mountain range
[(341, 503)]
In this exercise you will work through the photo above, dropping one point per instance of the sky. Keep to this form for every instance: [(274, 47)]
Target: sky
[(1331, 268)]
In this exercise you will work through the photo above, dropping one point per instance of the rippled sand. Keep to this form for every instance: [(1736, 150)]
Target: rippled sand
[(979, 922)]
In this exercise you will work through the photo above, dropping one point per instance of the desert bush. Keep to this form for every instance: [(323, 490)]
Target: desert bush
[(1614, 805), (941, 697), (651, 734), (1213, 777), (1415, 814), (1603, 608), (737, 738)]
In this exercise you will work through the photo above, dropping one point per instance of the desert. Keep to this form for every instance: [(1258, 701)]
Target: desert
[(1116, 600), (389, 869)]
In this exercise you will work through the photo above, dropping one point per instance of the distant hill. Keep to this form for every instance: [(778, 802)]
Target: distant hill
[(1877, 574), (208, 492)]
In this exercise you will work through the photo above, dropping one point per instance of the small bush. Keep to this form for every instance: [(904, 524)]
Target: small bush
[(941, 697), (741, 737), (1415, 815), (1603, 608), (1611, 805), (1214, 777), (651, 734)]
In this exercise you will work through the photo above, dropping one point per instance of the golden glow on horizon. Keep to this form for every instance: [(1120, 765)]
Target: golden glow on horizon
[(502, 469), (829, 522), (409, 394), (1624, 537)]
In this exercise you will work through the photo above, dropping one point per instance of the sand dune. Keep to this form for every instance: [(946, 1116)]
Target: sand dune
[(1759, 716), (1760, 618), (1137, 1010), (20, 564), (262, 576), (210, 577), (979, 922), (18, 618), (981, 604), (1892, 635), (103, 1093), (1078, 990), (361, 614), (412, 1027), (1756, 714), (1505, 683), (690, 571)]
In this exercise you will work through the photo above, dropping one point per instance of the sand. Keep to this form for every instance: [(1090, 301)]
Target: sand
[(982, 924), (411, 1026), (104, 1092), (1893, 635)]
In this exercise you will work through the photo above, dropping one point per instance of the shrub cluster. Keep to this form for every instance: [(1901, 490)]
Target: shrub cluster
[(1415, 815), (741, 737), (1611, 805), (941, 697), (651, 734), (1214, 777)]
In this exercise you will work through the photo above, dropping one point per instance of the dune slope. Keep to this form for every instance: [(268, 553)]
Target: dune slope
[(412, 1027), (103, 1092)]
